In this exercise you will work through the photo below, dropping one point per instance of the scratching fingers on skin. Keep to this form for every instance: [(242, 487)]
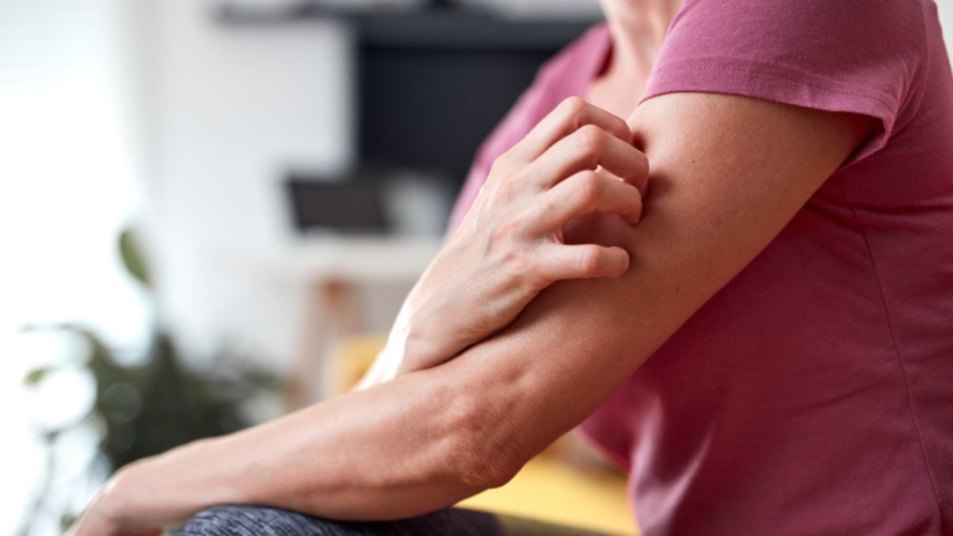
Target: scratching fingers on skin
[(571, 114), (559, 261), (589, 148), (584, 193)]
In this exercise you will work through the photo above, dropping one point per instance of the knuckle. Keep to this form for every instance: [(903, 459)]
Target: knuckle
[(589, 261), (503, 163), (507, 186), (538, 275), (591, 136), (622, 127), (591, 141), (503, 235), (589, 187), (502, 188), (546, 204), (573, 107), (519, 265), (515, 264), (507, 252), (509, 179)]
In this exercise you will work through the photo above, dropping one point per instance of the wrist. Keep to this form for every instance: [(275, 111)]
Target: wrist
[(166, 490), (118, 504)]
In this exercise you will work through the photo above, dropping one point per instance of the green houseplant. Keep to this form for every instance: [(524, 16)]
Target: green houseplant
[(144, 409)]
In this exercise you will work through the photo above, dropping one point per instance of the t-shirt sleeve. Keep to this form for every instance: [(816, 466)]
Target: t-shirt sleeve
[(858, 56)]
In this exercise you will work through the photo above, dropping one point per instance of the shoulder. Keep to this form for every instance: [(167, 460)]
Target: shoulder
[(896, 25), (858, 56)]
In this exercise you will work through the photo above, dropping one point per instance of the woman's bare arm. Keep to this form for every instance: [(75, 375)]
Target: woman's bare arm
[(511, 244), (727, 174)]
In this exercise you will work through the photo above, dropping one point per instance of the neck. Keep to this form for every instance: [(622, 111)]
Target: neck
[(638, 29)]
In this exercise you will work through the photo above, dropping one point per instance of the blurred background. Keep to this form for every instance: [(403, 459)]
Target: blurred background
[(210, 210)]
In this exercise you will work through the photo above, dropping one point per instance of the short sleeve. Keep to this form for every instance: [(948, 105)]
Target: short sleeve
[(858, 56)]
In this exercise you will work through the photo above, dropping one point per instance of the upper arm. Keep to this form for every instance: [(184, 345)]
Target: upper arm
[(728, 173)]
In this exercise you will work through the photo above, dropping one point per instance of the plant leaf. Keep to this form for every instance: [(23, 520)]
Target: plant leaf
[(35, 376), (133, 259)]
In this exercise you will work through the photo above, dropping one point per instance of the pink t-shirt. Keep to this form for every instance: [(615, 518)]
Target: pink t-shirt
[(814, 393)]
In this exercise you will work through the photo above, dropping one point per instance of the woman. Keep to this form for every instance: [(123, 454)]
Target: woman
[(791, 278)]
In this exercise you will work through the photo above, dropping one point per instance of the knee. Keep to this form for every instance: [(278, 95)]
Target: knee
[(233, 520)]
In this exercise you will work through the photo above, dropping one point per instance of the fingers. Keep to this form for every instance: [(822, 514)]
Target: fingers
[(571, 114), (578, 160), (583, 193), (588, 148), (558, 261), (574, 137)]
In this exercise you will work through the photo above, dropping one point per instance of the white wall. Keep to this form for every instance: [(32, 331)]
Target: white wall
[(229, 108), (946, 20), (68, 170)]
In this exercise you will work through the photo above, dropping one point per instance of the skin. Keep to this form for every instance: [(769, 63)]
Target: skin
[(449, 308), (579, 160), (727, 173), (638, 30)]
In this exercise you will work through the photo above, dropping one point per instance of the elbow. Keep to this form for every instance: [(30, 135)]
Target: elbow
[(482, 470), (486, 450)]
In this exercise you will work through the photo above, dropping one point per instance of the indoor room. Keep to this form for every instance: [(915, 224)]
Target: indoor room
[(627, 267)]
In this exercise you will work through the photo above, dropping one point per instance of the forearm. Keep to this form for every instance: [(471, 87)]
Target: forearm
[(440, 318), (577, 160), (387, 452)]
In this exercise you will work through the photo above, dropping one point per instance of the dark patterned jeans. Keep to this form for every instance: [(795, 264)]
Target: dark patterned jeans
[(230, 520)]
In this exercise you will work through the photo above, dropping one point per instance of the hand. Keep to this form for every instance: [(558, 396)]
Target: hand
[(577, 161), (103, 518), (95, 522), (128, 505)]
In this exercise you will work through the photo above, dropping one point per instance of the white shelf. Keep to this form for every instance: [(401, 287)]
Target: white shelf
[(355, 258)]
